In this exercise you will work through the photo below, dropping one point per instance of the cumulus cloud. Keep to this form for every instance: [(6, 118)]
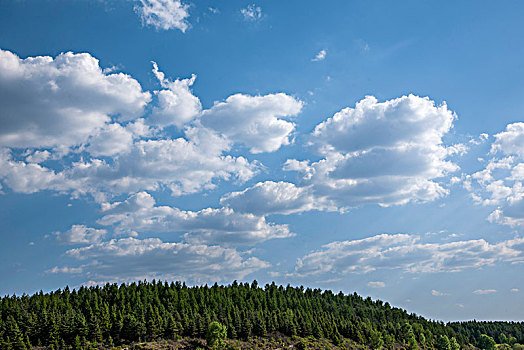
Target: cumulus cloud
[(381, 152), (217, 226), (164, 14), (178, 165), (68, 109), (60, 102), (111, 140), (255, 121), (176, 103), (407, 253), (80, 234), (510, 215), (376, 284), (320, 56), (510, 141), (30, 177), (514, 290), (484, 291), (134, 259), (271, 197), (38, 156), (398, 122), (252, 13), (500, 182)]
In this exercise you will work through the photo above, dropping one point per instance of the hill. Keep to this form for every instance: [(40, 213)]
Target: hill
[(115, 315)]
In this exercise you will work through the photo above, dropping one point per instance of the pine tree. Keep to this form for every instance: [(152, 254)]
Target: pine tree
[(77, 344)]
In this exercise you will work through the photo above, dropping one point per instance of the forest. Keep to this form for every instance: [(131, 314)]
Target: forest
[(113, 315)]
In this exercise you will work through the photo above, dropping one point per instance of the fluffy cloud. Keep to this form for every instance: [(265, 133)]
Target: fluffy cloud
[(30, 177), (407, 253), (70, 110), (398, 122), (111, 140), (501, 181), (274, 198), (254, 121), (510, 141), (251, 13), (179, 165), (38, 157), (60, 102), (511, 215), (134, 259), (320, 56), (381, 152), (80, 234), (164, 14), (176, 104), (224, 226)]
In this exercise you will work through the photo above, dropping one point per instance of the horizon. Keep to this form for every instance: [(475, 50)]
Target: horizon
[(365, 147)]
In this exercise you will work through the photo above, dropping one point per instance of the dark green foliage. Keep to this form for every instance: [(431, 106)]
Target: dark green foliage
[(454, 344), (376, 341), (115, 315), (486, 342), (472, 330), (443, 343), (216, 334)]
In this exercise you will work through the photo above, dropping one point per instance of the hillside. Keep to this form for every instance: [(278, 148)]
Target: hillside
[(114, 315)]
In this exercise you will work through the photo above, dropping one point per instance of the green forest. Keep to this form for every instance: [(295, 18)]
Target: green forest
[(117, 316)]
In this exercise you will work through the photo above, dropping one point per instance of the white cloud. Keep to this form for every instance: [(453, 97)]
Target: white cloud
[(438, 293), (254, 121), (70, 110), (514, 290), (80, 234), (501, 181), (111, 140), (406, 253), (65, 269), (164, 14), (510, 141), (38, 157), (408, 120), (484, 291), (320, 56), (376, 284), (252, 13), (176, 103), (179, 165), (217, 226), (134, 259), (30, 177), (385, 153), (59, 102), (512, 215), (274, 198)]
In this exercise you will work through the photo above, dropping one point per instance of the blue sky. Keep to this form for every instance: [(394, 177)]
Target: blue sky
[(368, 146)]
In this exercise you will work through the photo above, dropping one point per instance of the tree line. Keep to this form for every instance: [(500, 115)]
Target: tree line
[(146, 311)]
